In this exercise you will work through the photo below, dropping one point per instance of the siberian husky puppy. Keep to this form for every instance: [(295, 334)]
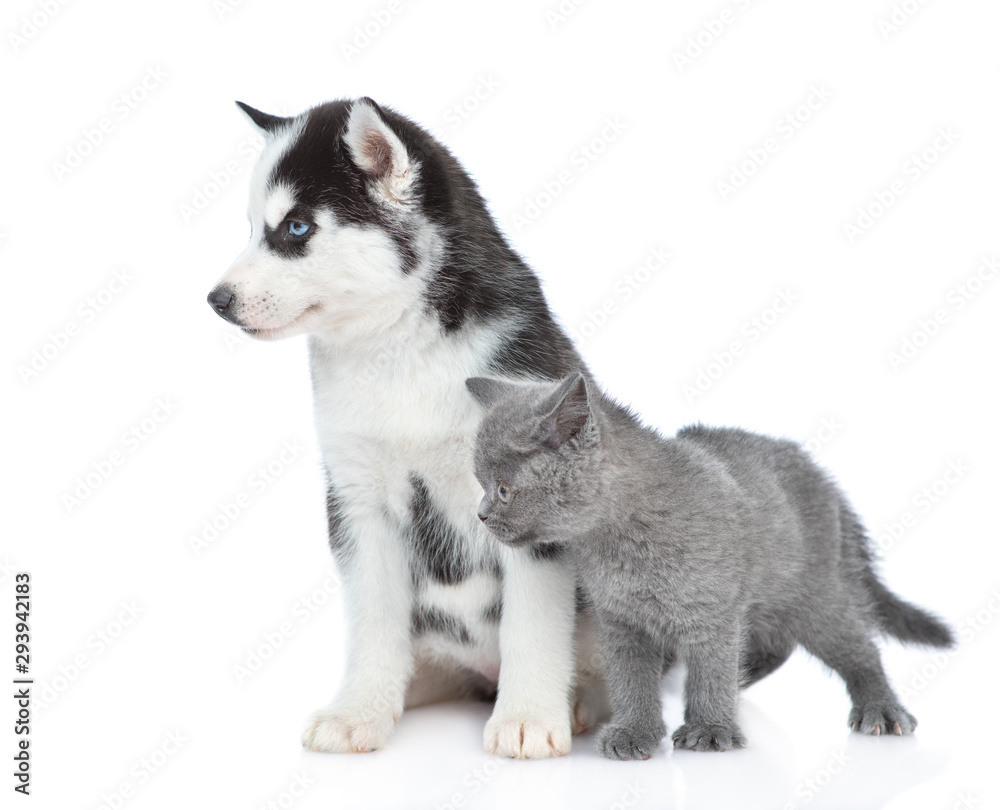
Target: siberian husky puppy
[(368, 236)]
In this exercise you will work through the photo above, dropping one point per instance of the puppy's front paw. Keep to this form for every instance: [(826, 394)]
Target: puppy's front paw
[(709, 737), (527, 737), (332, 730), (626, 742), (882, 717)]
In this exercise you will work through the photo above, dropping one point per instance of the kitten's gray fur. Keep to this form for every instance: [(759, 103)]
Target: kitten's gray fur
[(720, 546)]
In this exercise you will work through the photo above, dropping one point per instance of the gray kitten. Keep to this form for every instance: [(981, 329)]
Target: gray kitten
[(722, 547)]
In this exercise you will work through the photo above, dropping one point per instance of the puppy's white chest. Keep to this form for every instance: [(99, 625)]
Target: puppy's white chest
[(386, 416)]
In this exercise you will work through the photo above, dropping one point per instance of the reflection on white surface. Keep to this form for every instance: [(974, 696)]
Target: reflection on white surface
[(800, 755)]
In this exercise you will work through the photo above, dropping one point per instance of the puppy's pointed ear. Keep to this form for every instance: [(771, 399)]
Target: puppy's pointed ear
[(569, 410), (379, 152), (487, 391), (268, 124)]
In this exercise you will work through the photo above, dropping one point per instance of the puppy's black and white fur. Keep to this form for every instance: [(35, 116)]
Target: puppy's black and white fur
[(368, 236)]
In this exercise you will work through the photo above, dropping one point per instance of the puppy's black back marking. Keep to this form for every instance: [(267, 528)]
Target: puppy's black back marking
[(438, 546), (537, 349), (424, 620)]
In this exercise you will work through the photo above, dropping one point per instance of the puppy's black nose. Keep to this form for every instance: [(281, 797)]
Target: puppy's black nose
[(220, 298)]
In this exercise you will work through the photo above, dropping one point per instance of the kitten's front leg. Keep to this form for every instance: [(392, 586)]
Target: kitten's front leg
[(711, 692), (531, 719), (378, 599), (633, 669)]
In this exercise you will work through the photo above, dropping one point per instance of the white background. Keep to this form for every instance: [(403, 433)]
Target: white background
[(822, 370)]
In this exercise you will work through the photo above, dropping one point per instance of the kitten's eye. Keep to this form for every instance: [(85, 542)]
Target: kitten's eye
[(296, 228), (503, 493)]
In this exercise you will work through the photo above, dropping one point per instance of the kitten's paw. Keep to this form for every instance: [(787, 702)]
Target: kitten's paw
[(709, 737), (527, 737), (625, 742), (332, 730), (882, 717)]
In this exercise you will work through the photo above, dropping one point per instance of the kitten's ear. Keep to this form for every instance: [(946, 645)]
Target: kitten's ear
[(268, 124), (486, 390), (378, 151), (569, 413)]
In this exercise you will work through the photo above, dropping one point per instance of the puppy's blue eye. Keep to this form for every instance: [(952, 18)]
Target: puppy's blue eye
[(298, 228)]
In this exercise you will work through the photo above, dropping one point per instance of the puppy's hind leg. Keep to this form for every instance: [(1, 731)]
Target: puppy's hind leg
[(590, 704), (439, 682)]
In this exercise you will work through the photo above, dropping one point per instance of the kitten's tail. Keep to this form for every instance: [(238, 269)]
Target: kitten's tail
[(894, 615), (905, 621)]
